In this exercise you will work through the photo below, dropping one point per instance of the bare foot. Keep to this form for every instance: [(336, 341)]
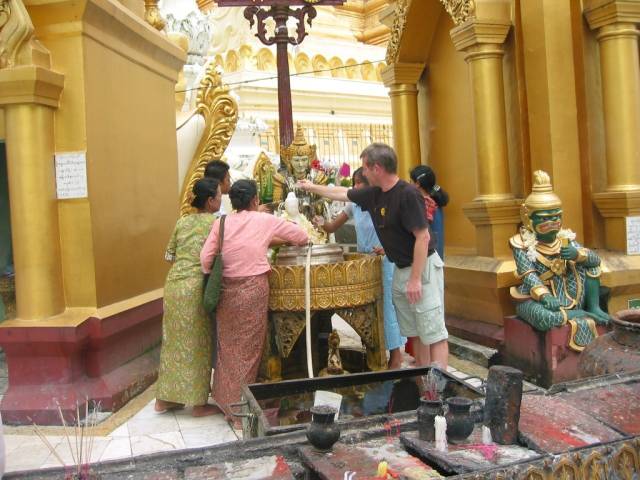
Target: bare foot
[(205, 410), (395, 366), (162, 406)]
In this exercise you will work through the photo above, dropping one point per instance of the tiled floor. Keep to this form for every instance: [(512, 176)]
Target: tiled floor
[(146, 432)]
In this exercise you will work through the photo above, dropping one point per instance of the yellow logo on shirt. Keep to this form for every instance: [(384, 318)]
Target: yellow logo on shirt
[(383, 211)]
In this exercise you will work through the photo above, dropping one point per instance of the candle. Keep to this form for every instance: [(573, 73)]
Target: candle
[(486, 435), (441, 433)]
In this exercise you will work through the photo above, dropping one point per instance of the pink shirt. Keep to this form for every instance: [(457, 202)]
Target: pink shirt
[(247, 235)]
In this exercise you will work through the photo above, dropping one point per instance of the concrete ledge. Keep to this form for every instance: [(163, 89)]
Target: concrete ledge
[(473, 352)]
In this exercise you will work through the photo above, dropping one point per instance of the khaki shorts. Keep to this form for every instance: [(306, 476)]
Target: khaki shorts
[(424, 319)]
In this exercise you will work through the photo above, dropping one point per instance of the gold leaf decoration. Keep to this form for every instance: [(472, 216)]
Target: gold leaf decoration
[(16, 31), (459, 10), (354, 282), (220, 112), (152, 14), (399, 23)]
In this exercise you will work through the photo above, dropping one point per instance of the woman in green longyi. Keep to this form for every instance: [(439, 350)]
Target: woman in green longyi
[(185, 359)]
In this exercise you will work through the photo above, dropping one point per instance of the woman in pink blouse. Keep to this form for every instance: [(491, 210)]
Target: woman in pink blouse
[(242, 310)]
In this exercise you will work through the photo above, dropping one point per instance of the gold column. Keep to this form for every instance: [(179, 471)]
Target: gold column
[(29, 91), (401, 79), (615, 22), (494, 211)]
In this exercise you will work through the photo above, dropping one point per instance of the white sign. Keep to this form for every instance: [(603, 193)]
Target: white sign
[(633, 235), (71, 175)]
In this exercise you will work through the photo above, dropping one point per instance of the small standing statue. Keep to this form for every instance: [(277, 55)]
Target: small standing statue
[(560, 278), (334, 364), (271, 185)]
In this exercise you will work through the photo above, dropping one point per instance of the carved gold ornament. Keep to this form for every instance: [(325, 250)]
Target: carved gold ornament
[(16, 31), (152, 14), (595, 467), (354, 282), (626, 462), (399, 24), (220, 112), (459, 10)]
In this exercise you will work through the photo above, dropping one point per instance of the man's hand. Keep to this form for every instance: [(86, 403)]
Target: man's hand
[(550, 302), (305, 185), (378, 250), (414, 290), (568, 253)]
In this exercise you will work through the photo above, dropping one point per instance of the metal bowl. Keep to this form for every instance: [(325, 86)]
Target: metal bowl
[(320, 254)]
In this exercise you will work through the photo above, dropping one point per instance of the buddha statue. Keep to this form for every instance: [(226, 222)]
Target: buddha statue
[(559, 278), (298, 158), (292, 213), (334, 362)]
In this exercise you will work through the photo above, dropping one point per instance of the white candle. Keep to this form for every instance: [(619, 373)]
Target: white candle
[(441, 433), (486, 435)]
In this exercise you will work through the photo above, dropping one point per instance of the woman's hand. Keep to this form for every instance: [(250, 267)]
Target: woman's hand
[(276, 242), (378, 250), (318, 220)]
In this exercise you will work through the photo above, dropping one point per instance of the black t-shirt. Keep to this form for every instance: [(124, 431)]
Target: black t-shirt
[(396, 213)]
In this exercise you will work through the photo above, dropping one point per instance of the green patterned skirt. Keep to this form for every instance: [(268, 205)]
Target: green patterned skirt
[(185, 358)]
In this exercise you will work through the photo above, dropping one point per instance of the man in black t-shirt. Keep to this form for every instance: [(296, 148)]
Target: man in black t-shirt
[(397, 211)]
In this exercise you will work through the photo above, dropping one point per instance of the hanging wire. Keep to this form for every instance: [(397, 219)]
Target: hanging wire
[(275, 77)]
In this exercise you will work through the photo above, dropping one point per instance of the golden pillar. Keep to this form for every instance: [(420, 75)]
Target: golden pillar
[(615, 22), (401, 79), (494, 211), (29, 92)]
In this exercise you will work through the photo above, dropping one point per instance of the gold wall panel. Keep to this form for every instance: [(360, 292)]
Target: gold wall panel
[(450, 131), (132, 169)]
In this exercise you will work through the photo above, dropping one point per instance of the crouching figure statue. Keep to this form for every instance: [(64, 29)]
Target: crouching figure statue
[(560, 278)]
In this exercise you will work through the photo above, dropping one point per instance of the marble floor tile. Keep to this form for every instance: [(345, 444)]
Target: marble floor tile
[(37, 454), (160, 442), (121, 431), (93, 446), (164, 423), (148, 411), (117, 448), (187, 421), (199, 437)]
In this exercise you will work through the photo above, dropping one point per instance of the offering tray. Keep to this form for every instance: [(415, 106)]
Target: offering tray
[(323, 253)]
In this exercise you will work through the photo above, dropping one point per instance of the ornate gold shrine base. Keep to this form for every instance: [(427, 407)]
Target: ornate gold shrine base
[(352, 289)]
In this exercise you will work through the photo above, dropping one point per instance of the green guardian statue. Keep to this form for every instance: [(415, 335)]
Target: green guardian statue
[(559, 278)]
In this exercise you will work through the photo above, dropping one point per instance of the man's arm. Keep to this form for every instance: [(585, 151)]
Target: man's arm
[(420, 249), (332, 193)]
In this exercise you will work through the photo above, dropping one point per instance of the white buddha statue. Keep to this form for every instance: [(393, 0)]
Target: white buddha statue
[(292, 213)]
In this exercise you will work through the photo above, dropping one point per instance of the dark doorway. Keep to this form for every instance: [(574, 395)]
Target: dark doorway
[(7, 284)]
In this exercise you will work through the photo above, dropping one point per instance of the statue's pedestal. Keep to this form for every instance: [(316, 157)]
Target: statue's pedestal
[(105, 361), (544, 357)]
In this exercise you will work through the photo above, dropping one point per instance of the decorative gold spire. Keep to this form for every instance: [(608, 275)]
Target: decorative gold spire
[(542, 197)]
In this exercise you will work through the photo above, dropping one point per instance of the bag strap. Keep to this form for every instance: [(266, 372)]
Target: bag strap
[(221, 233)]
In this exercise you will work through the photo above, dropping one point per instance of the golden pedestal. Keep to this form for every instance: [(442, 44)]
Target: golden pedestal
[(352, 289)]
